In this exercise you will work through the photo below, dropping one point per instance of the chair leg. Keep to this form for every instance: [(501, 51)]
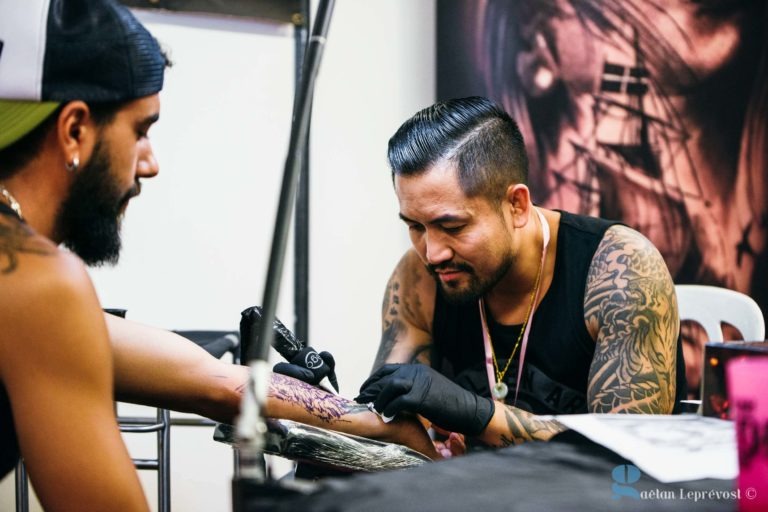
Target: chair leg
[(164, 461), (22, 488)]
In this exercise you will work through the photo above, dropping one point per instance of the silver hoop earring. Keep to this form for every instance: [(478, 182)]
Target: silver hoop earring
[(72, 167)]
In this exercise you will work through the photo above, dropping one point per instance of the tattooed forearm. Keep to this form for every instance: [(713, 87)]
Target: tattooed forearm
[(524, 426), (629, 304), (391, 323), (16, 238), (320, 404), (392, 328), (421, 354)]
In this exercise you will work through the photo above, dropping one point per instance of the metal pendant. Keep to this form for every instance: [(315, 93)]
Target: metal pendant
[(500, 391)]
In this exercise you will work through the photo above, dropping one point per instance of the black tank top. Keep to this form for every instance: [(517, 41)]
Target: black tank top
[(560, 349), (9, 446)]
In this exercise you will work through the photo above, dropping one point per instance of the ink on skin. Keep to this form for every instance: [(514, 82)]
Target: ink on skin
[(325, 406), (15, 238)]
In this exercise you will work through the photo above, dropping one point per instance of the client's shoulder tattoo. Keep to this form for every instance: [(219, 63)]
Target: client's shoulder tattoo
[(17, 238)]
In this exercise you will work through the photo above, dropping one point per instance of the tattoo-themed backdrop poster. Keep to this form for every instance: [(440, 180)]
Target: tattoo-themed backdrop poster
[(651, 112)]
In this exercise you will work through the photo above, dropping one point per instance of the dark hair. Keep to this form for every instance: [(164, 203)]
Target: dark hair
[(475, 134), (21, 152)]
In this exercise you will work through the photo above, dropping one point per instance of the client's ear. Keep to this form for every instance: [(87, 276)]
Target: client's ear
[(76, 132)]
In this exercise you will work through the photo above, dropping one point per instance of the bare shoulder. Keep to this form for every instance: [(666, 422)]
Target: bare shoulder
[(46, 295), (37, 272), (407, 309), (54, 347), (17, 242)]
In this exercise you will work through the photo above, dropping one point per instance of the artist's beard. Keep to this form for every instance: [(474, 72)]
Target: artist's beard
[(88, 222), (476, 287)]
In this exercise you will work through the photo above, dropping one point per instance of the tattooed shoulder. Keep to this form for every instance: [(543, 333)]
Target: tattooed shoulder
[(626, 266), (17, 238), (630, 308)]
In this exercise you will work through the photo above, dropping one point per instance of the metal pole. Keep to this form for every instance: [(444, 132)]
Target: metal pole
[(301, 226), (250, 425)]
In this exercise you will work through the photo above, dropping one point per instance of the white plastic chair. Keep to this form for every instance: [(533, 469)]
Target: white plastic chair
[(711, 305)]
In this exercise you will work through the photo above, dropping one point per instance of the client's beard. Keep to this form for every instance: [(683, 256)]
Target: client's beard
[(88, 222)]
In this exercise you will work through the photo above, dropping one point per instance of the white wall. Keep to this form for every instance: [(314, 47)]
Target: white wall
[(196, 243), (379, 68)]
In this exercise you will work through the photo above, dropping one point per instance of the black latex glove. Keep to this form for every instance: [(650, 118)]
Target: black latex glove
[(419, 389), (311, 367)]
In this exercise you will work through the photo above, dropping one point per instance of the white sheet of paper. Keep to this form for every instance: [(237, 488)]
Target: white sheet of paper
[(670, 448)]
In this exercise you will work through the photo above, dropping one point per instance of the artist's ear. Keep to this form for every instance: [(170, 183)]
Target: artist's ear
[(76, 131), (518, 201)]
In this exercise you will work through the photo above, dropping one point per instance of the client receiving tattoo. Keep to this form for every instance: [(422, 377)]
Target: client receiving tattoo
[(295, 400)]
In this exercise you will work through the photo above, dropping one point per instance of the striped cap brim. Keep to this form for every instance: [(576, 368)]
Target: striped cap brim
[(18, 118)]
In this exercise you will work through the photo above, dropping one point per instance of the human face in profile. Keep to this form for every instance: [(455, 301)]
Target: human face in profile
[(90, 217)]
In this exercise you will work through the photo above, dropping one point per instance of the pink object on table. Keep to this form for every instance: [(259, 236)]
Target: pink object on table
[(748, 395)]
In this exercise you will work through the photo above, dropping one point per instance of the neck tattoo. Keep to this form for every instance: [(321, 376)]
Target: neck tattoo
[(12, 202)]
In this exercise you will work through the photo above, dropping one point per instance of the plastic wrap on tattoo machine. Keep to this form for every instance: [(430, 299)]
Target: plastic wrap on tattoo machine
[(314, 445)]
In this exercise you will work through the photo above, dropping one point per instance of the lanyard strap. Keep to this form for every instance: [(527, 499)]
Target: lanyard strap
[(528, 323)]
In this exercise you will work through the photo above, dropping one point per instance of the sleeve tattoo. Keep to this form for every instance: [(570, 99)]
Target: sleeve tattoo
[(524, 426), (630, 298), (392, 325)]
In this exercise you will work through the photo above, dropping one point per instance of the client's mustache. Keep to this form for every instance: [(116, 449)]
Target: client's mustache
[(134, 191)]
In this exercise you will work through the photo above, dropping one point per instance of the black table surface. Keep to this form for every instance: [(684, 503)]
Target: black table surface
[(569, 473)]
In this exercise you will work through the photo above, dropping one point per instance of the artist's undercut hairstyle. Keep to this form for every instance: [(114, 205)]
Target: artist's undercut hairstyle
[(476, 135)]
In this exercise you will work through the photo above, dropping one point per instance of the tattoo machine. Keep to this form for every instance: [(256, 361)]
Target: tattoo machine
[(293, 349)]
